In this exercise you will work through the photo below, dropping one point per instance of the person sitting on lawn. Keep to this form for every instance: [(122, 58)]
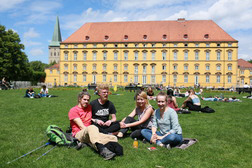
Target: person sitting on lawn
[(43, 92), (150, 93), (144, 112), (166, 121), (102, 109), (80, 117), (30, 93), (171, 100), (192, 102)]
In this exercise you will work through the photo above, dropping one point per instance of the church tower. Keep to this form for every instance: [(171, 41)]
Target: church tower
[(54, 46)]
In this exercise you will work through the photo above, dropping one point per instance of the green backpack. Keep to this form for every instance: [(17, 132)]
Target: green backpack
[(59, 137)]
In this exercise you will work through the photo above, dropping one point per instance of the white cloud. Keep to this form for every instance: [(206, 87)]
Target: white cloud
[(9, 4), (180, 14), (31, 33), (36, 52), (31, 43)]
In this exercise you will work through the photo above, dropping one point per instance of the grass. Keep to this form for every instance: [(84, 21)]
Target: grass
[(224, 136)]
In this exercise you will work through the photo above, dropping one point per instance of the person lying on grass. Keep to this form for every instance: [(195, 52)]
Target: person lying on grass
[(144, 112), (80, 120), (102, 109), (231, 99), (166, 120)]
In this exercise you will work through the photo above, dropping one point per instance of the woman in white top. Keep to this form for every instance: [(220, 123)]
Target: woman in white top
[(144, 112)]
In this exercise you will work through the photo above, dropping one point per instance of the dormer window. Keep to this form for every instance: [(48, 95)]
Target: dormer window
[(185, 36), (144, 37), (87, 38), (164, 36), (206, 36), (106, 37), (126, 37)]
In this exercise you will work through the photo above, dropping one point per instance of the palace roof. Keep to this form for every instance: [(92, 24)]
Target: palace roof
[(244, 64), (180, 30)]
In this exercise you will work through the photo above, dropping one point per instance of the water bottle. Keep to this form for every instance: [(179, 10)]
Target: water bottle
[(135, 143)]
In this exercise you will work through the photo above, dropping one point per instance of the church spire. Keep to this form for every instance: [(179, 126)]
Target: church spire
[(56, 39)]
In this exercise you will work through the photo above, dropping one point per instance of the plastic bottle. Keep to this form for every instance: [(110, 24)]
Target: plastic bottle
[(135, 143)]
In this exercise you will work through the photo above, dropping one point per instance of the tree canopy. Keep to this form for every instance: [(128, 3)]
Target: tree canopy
[(14, 63)]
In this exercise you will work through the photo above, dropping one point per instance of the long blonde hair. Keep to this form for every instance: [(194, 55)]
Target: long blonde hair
[(144, 96)]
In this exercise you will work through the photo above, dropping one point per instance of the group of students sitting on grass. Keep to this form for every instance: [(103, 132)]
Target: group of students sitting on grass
[(43, 92), (95, 123)]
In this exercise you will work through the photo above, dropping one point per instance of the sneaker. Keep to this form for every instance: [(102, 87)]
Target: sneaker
[(119, 135), (107, 154), (168, 146)]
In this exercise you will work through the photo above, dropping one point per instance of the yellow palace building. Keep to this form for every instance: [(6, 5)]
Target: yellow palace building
[(176, 53)]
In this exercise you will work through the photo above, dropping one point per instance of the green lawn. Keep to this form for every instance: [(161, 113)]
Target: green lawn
[(225, 136)]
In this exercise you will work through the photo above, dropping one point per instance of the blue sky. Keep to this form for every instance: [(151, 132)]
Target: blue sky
[(34, 20)]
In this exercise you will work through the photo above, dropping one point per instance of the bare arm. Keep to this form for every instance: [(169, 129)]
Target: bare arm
[(79, 123), (175, 102), (146, 116)]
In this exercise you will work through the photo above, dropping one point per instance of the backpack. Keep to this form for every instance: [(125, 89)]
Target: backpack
[(207, 109), (59, 137)]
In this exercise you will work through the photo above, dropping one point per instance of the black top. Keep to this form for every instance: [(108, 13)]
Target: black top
[(102, 112)]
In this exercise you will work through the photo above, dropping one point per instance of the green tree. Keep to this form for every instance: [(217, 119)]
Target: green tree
[(250, 61), (13, 61), (38, 66)]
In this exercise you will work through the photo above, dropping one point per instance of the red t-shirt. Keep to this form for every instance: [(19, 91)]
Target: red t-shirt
[(85, 114)]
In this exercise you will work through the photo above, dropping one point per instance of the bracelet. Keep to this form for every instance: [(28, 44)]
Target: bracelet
[(96, 121)]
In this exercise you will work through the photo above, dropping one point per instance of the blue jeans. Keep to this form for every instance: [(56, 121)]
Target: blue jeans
[(42, 95), (172, 139)]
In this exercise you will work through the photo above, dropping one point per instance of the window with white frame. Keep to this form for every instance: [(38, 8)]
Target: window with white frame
[(175, 67), (75, 67), (144, 45), (175, 55), (196, 67), (136, 69), (144, 69), (115, 67), (115, 55), (163, 55), (75, 77), (185, 67), (242, 81), (207, 55), (207, 79), (230, 67), (104, 67), (94, 67), (125, 45), (136, 55), (153, 55), (75, 56), (186, 55), (94, 45), (135, 78), (153, 69), (196, 45), (116, 45), (144, 55), (125, 78), (207, 45), (75, 45), (84, 67), (218, 79), (196, 55), (153, 45), (229, 55), (229, 79), (84, 56), (153, 79), (65, 77), (94, 78), (144, 79), (175, 45), (115, 78), (66, 56), (104, 45), (218, 67), (104, 78), (66, 67), (229, 44), (207, 67), (163, 67), (84, 45), (242, 72), (218, 55), (163, 78), (250, 72), (104, 56), (126, 56), (66, 46), (250, 81), (136, 45), (84, 78), (50, 71), (185, 78), (125, 67), (164, 45), (94, 56), (174, 79)]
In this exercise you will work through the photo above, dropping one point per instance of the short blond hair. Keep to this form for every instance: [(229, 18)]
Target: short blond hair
[(103, 86)]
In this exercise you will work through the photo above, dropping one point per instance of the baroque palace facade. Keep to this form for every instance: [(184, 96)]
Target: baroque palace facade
[(174, 53)]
